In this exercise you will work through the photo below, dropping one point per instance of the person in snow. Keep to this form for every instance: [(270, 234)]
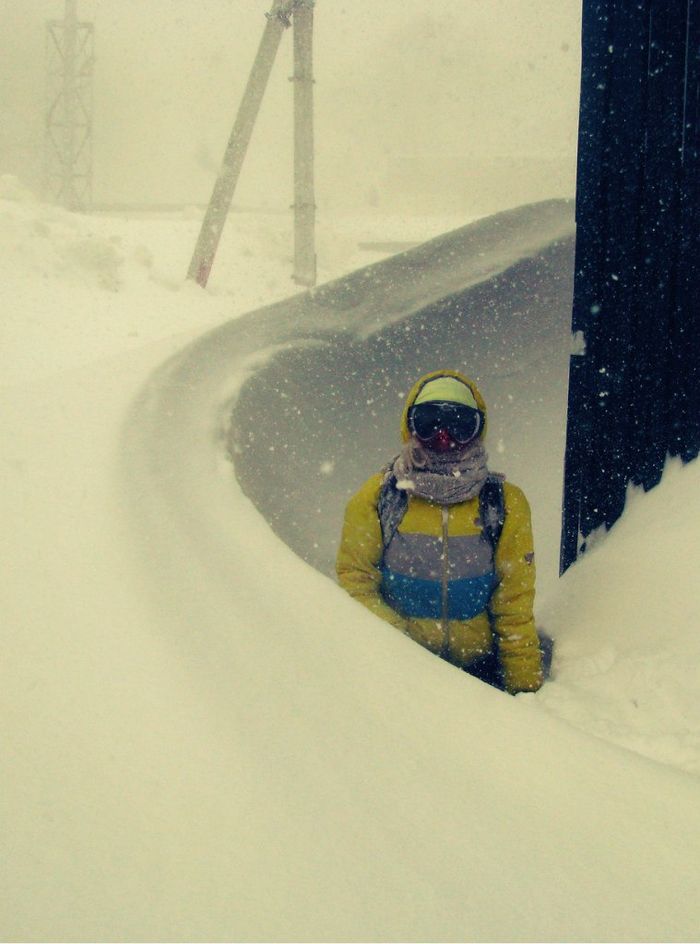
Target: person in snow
[(415, 550)]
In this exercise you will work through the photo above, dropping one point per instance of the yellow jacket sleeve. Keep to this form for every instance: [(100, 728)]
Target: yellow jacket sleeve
[(511, 605), (360, 553)]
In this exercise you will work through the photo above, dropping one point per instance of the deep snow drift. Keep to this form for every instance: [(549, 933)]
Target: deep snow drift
[(205, 739)]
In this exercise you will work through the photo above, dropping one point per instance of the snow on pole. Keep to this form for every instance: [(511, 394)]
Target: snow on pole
[(278, 19)]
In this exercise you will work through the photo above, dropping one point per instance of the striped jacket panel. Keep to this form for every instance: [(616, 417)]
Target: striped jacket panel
[(413, 569)]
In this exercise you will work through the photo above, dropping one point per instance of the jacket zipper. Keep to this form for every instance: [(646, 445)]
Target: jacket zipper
[(444, 621)]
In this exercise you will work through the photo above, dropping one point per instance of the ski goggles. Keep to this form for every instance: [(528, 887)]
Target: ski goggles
[(463, 423)]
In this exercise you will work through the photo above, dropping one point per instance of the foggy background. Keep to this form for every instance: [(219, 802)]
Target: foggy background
[(421, 107)]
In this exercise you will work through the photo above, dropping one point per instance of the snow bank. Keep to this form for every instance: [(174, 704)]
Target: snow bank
[(626, 620), (205, 739), (117, 283)]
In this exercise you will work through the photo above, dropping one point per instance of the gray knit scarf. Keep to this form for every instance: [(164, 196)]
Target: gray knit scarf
[(443, 478)]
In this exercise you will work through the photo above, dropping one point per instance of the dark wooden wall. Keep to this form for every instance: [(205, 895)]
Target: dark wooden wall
[(634, 390)]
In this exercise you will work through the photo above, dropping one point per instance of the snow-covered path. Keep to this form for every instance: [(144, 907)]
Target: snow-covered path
[(210, 741)]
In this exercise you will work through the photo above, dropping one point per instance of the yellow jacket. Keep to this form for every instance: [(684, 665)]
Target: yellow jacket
[(508, 612)]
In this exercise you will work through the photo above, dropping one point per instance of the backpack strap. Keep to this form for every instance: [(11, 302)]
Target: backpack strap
[(492, 509), (391, 507)]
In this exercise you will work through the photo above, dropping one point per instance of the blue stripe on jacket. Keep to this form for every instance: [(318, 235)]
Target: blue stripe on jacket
[(418, 598)]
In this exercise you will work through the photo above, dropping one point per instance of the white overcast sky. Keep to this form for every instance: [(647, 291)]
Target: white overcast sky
[(411, 95)]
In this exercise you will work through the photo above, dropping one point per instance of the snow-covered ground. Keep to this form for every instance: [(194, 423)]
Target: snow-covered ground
[(205, 739)]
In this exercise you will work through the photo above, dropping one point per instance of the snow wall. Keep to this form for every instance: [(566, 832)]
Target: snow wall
[(492, 299), (314, 741)]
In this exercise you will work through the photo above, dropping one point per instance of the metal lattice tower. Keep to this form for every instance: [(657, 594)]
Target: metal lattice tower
[(68, 136)]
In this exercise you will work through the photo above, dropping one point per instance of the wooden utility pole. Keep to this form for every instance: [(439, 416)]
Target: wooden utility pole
[(278, 19), (304, 201)]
